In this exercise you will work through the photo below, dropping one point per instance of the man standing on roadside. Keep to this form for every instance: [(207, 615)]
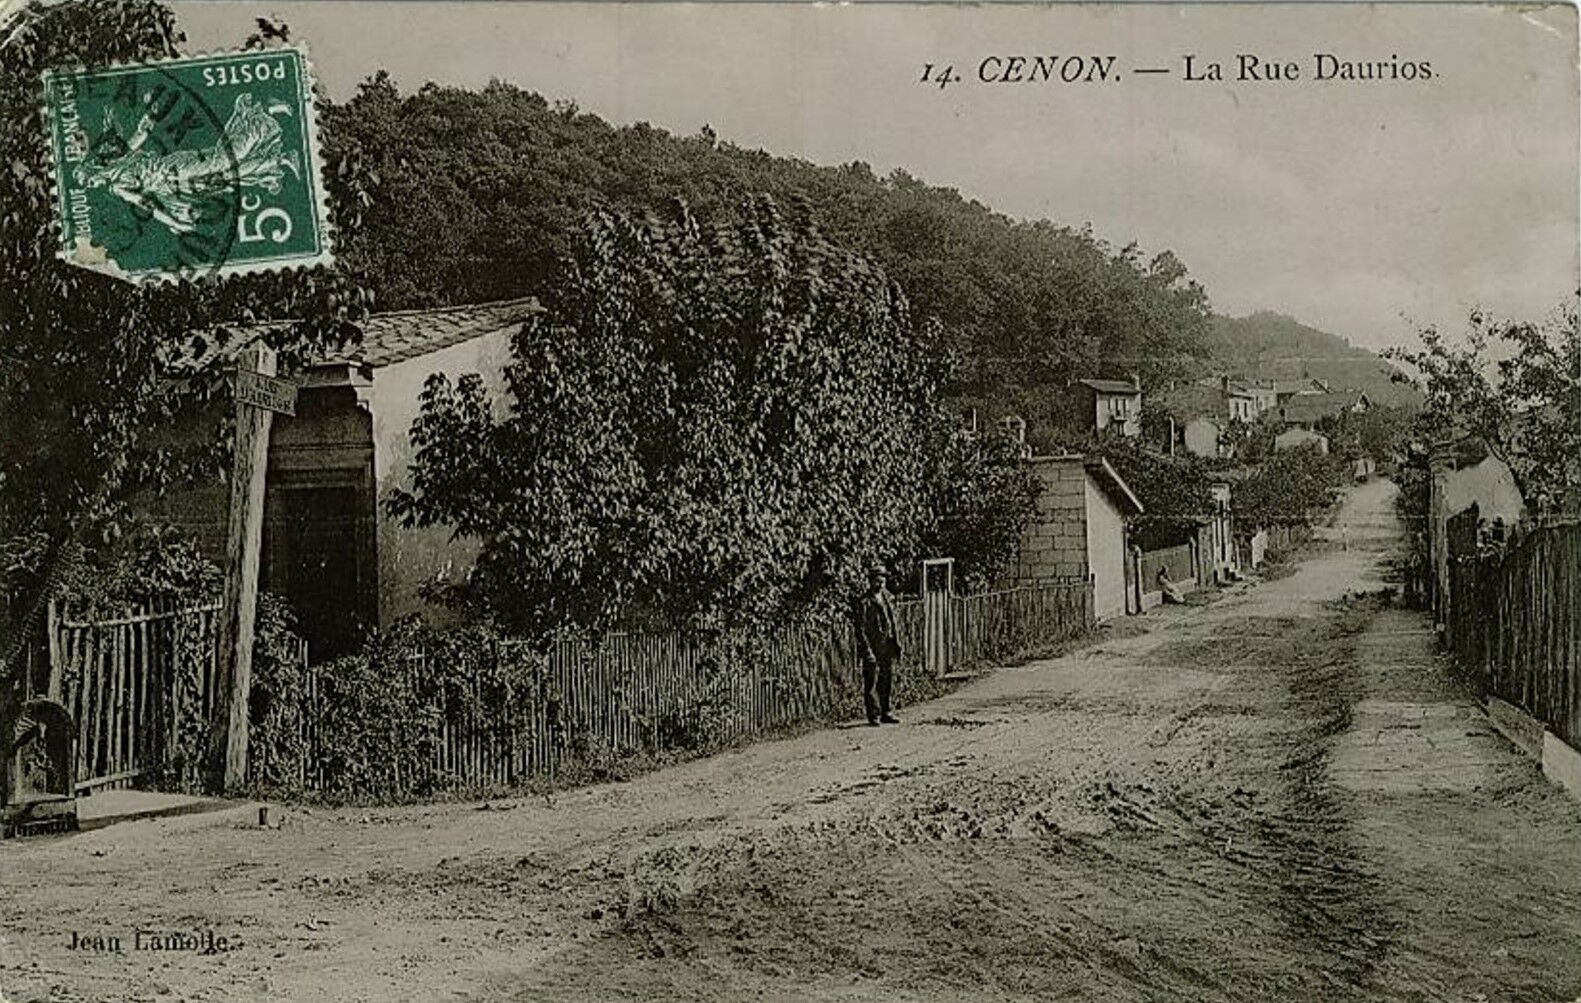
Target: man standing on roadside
[(877, 647)]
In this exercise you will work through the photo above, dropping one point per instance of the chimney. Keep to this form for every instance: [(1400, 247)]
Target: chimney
[(1136, 380), (1224, 382)]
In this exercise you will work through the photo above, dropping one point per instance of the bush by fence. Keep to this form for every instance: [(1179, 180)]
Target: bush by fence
[(420, 711), (1514, 623)]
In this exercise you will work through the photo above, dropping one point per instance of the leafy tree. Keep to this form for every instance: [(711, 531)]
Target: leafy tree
[(1378, 432), (1171, 488), (89, 361), (1251, 442), (1517, 386), (1157, 424), (981, 498), (708, 427), (1289, 488)]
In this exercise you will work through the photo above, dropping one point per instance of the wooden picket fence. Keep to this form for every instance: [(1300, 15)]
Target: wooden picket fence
[(1514, 620), (520, 713), (991, 625), (121, 678), (517, 712)]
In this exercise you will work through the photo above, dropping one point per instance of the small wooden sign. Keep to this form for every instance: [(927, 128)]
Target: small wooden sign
[(267, 392)]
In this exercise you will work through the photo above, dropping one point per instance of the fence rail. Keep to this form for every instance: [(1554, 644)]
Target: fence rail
[(517, 712), (1514, 617)]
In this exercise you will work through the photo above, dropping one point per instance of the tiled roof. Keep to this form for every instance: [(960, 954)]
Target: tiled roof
[(386, 337), (1193, 400), (406, 334), (1236, 388), (1311, 407), (1110, 386), (1305, 386)]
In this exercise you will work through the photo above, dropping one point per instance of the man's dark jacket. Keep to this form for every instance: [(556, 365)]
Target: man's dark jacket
[(877, 639)]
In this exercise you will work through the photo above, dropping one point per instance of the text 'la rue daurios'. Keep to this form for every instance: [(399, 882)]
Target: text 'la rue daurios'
[(1241, 67)]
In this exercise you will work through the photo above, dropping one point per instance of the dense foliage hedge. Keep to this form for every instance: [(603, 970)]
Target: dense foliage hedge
[(709, 427)]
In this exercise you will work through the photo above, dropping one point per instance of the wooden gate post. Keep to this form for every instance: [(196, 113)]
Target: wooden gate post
[(243, 556), (936, 615)]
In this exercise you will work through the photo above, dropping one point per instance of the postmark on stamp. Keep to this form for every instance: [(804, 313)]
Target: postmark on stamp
[(186, 167)]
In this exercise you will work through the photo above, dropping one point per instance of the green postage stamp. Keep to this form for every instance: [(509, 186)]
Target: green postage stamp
[(187, 167)]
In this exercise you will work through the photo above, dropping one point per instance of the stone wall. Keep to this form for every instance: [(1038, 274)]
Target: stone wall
[(1054, 544)]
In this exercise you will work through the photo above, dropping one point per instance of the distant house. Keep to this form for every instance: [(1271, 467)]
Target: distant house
[(1239, 401), (1264, 395), (1079, 528), (1201, 412), (1114, 405), (328, 546), (1286, 389), (1306, 410), (1243, 403), (1198, 415), (1294, 438), (1488, 484)]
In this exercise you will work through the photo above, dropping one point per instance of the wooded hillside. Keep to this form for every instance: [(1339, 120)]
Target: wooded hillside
[(480, 189)]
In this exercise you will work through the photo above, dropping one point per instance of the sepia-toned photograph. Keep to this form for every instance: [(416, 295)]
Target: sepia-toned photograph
[(664, 501)]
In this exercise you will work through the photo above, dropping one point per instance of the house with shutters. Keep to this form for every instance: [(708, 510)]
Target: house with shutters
[(328, 546), (1114, 406), (1237, 400), (1264, 395)]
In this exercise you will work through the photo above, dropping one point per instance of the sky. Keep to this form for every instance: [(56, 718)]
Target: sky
[(1366, 208)]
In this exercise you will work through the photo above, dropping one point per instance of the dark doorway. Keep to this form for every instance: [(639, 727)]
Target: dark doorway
[(318, 550)]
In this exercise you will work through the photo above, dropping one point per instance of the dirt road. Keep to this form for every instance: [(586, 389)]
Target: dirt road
[(1278, 796)]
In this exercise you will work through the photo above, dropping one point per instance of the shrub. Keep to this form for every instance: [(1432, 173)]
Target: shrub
[(275, 744), (377, 718)]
